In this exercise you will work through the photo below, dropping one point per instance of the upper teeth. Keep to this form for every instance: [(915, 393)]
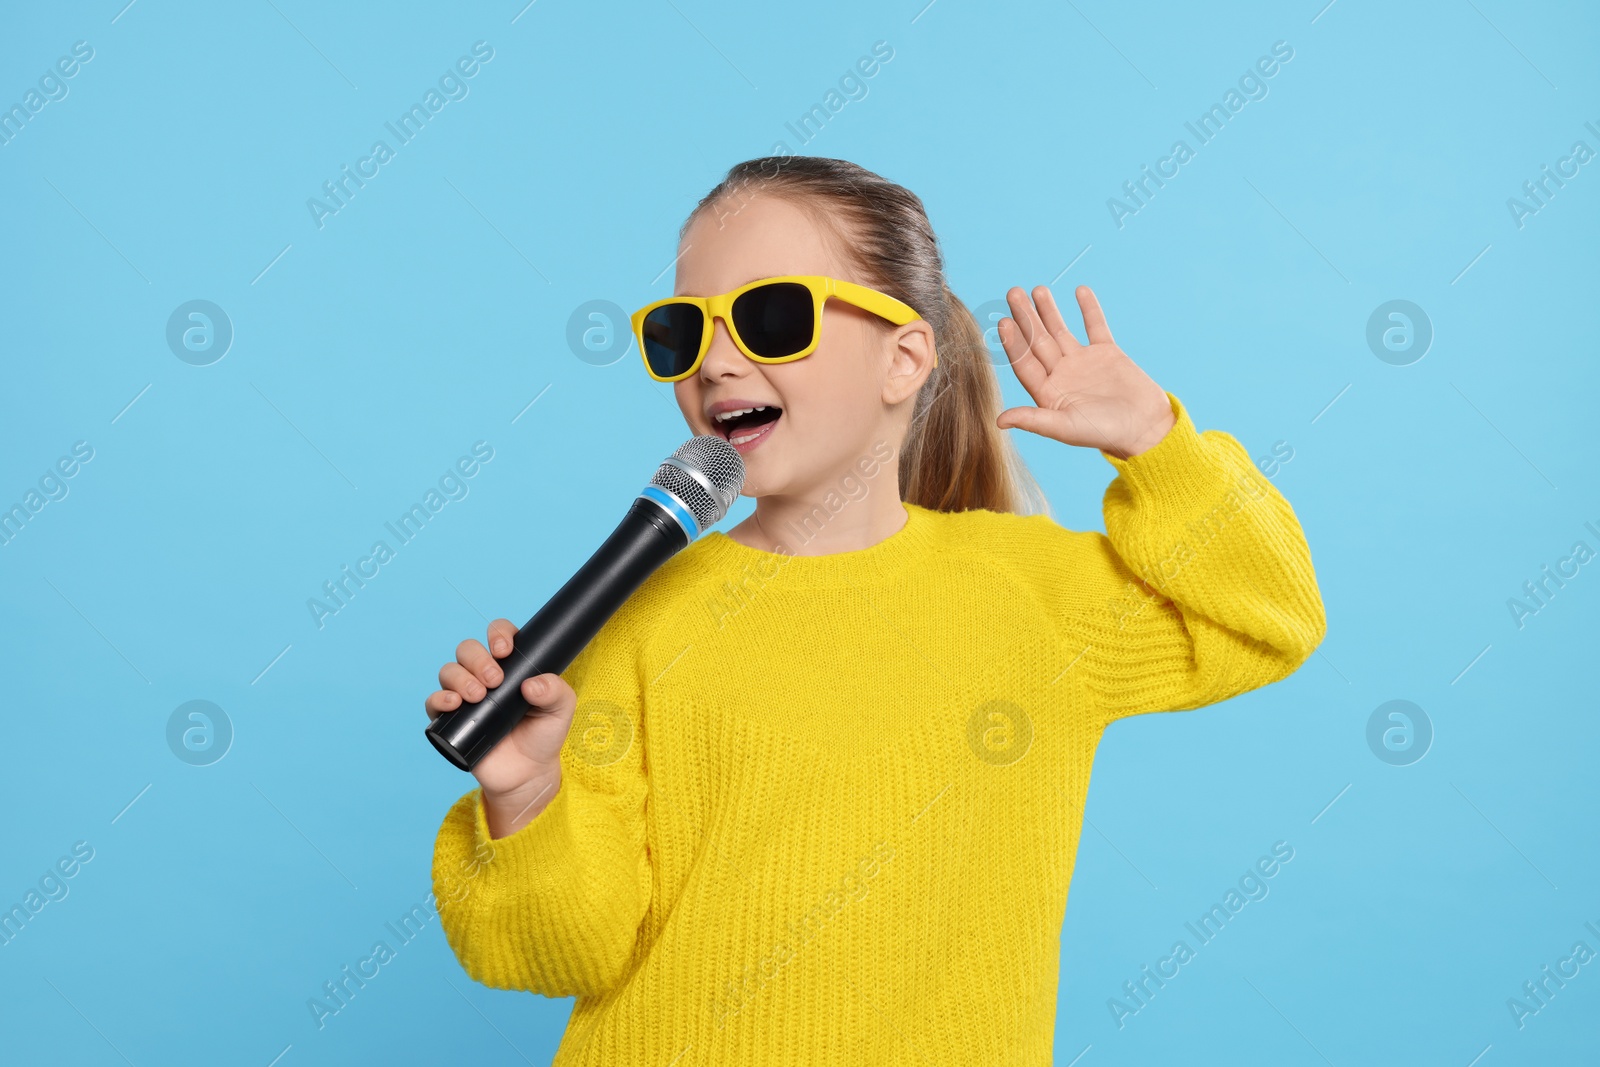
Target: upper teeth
[(726, 415)]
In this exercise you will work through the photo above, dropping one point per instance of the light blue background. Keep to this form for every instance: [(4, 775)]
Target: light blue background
[(429, 312)]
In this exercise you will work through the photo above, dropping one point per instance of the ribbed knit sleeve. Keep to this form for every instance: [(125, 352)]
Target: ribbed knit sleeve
[(555, 907), (1202, 586)]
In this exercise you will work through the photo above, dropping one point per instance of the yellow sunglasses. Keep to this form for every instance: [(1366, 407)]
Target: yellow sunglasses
[(772, 320)]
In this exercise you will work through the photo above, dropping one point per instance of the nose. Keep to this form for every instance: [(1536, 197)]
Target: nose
[(723, 358)]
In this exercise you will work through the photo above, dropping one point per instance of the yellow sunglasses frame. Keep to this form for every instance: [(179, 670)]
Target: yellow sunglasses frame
[(717, 307)]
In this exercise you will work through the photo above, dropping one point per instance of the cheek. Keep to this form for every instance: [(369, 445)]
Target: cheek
[(848, 351), (847, 331), (833, 392), (687, 394), (827, 389)]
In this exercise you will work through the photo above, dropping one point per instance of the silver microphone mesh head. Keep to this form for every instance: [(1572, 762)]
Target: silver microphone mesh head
[(706, 474)]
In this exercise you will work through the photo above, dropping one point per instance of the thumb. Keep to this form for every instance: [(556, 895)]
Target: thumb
[(1031, 419), (550, 693)]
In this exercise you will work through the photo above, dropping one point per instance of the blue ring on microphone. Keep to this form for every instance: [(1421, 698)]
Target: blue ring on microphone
[(683, 515)]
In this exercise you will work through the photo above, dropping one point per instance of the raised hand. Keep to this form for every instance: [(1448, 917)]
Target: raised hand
[(1090, 395)]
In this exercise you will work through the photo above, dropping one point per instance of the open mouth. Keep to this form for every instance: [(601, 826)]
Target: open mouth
[(747, 427)]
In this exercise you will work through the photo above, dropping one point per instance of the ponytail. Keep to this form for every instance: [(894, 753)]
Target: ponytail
[(954, 457)]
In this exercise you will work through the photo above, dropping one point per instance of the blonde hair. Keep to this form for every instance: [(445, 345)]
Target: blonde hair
[(954, 457)]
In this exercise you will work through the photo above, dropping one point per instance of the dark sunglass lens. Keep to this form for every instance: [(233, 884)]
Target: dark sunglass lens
[(775, 320), (672, 335)]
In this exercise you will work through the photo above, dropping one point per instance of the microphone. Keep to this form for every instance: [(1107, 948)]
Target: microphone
[(691, 491)]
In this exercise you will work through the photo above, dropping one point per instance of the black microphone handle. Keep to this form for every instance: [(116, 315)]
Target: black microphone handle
[(645, 539)]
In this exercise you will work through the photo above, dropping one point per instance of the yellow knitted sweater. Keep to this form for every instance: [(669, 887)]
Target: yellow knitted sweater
[(823, 809)]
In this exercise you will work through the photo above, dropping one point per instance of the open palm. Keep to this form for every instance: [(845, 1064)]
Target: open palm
[(1089, 395)]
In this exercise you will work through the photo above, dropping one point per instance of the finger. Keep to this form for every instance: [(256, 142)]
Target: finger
[(1094, 320), (1021, 350), (1027, 331), (1042, 421), (1050, 313), (1034, 378), (1065, 422), (458, 679), (502, 635), (441, 701), (543, 693), (475, 658)]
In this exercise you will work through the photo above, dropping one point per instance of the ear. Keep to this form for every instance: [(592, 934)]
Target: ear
[(911, 360)]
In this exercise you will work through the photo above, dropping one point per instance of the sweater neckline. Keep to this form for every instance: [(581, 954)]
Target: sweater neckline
[(911, 542)]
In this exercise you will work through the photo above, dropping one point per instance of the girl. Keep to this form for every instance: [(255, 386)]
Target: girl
[(813, 795)]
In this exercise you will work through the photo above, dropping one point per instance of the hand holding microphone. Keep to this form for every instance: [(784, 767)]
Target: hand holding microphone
[(520, 775), (504, 714)]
